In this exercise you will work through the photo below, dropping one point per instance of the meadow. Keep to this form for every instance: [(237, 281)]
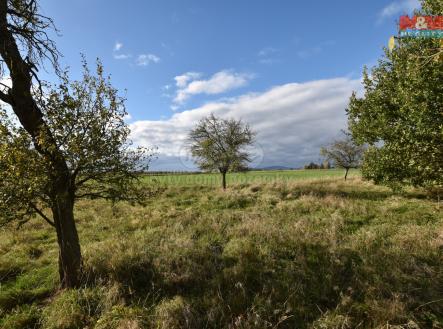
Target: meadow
[(291, 249), (257, 177)]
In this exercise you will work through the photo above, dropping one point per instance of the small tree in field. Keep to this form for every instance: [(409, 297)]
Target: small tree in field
[(344, 153), (219, 144), (86, 122)]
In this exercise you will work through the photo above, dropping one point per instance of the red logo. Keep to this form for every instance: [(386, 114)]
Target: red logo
[(421, 23)]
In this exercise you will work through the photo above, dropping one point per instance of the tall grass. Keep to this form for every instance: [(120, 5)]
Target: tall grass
[(319, 253)]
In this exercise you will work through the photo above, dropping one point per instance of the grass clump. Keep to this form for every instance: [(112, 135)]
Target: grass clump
[(26, 316), (175, 313), (319, 253), (122, 317)]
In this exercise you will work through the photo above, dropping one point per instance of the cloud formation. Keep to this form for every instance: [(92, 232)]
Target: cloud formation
[(140, 60), (292, 122), (122, 56), (398, 8), (118, 46), (146, 59), (116, 51), (189, 84)]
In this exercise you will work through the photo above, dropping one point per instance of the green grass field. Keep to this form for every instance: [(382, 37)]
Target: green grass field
[(262, 177), (298, 252)]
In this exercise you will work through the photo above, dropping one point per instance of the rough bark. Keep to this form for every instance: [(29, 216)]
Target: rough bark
[(67, 238), (31, 118)]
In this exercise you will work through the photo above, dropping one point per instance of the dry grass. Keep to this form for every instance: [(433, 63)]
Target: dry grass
[(302, 254)]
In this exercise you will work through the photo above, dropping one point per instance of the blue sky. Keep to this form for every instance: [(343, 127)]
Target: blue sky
[(287, 67)]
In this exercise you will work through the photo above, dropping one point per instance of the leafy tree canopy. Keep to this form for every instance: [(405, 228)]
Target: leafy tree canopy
[(400, 114), (86, 119), (219, 144)]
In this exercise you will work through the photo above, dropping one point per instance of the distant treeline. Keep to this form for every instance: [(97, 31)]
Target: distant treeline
[(312, 165), (164, 173), (323, 165)]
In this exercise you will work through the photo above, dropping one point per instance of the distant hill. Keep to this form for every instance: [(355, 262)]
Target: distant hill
[(275, 168)]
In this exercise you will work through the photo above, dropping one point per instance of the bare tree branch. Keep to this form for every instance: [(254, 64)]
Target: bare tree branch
[(38, 211)]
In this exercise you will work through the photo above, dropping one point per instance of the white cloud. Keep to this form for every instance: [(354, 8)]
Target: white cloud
[(116, 52), (141, 60), (182, 80), (146, 59), (292, 122), (122, 56), (220, 82), (118, 46), (398, 8)]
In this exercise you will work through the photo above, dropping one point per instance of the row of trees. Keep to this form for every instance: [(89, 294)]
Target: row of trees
[(71, 142)]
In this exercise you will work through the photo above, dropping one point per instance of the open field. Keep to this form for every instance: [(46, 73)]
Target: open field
[(256, 177), (291, 253)]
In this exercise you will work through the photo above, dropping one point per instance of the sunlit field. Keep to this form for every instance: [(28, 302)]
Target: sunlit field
[(299, 252), (258, 177), (127, 131)]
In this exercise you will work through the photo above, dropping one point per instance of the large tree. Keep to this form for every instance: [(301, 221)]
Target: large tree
[(219, 144), (344, 153), (400, 114), (69, 142)]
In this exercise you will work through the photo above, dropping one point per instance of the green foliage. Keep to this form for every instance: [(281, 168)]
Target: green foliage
[(432, 7), (400, 114), (219, 144), (86, 119), (19, 163)]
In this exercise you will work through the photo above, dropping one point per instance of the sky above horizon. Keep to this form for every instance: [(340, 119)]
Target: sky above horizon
[(286, 67)]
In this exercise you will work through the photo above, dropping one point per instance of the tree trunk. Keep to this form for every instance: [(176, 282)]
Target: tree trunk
[(70, 261), (224, 180), (21, 99), (346, 174)]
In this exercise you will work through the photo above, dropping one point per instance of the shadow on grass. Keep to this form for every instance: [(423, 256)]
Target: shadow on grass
[(29, 287)]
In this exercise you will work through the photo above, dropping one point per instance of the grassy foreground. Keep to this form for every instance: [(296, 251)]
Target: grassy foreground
[(319, 253)]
